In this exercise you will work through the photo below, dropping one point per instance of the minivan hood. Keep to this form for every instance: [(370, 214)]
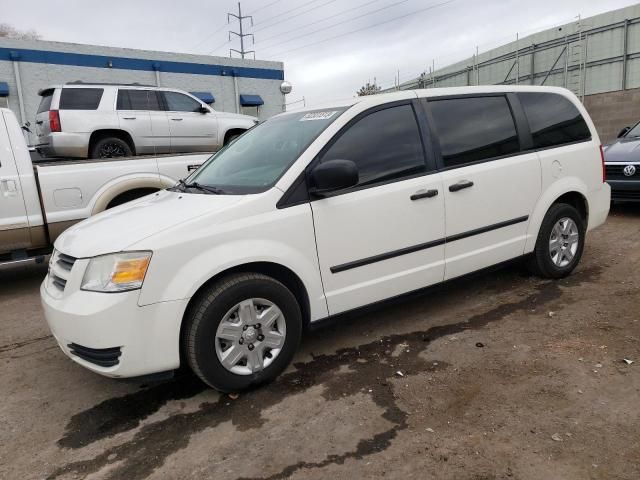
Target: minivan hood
[(116, 229), (623, 150)]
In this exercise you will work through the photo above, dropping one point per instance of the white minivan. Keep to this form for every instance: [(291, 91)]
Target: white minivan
[(318, 212)]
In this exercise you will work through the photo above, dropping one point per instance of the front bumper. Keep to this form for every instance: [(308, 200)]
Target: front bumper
[(109, 333), (625, 190)]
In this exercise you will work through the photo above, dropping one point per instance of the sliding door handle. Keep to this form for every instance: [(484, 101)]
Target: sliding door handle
[(177, 119), (460, 185), (424, 194), (128, 118)]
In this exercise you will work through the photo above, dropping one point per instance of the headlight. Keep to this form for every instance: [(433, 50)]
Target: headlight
[(116, 272)]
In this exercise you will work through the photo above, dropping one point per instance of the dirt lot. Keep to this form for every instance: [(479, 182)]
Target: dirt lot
[(502, 376)]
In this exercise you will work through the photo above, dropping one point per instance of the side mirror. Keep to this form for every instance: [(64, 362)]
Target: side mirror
[(203, 109), (623, 132), (333, 175)]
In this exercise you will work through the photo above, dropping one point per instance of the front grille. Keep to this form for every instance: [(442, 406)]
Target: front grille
[(615, 171), (625, 195), (103, 357), (58, 281), (60, 269), (65, 261)]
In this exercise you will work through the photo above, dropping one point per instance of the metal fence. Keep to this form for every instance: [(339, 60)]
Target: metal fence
[(589, 60)]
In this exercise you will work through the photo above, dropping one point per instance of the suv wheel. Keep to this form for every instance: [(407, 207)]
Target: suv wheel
[(243, 331), (560, 242), (230, 137), (110, 147)]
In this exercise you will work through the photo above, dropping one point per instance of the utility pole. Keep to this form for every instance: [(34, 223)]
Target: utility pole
[(433, 73), (517, 59), (241, 35)]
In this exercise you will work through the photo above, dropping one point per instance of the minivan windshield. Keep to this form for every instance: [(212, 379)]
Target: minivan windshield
[(254, 162), (634, 132)]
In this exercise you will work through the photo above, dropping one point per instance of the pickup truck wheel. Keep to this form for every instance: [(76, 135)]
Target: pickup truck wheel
[(242, 331), (110, 147), (560, 242)]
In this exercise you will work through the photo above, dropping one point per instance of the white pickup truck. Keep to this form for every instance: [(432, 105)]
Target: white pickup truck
[(39, 200)]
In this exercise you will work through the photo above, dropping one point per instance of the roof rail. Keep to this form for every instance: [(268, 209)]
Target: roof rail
[(135, 84)]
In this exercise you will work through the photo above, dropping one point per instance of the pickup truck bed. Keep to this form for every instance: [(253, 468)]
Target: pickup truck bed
[(40, 199)]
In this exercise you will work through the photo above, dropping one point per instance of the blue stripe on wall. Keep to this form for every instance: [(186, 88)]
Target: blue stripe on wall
[(123, 63)]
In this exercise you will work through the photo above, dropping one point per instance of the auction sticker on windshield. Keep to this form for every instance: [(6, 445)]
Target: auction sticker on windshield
[(318, 116)]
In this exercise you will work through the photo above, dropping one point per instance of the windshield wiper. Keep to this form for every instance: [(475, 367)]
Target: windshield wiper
[(204, 188), (178, 187)]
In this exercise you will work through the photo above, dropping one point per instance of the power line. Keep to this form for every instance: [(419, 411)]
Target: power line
[(226, 42), (319, 21), (297, 15), (281, 14), (265, 6), (430, 7), (338, 24), (218, 30), (222, 27)]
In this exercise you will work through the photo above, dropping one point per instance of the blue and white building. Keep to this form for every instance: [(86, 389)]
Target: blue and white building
[(228, 84)]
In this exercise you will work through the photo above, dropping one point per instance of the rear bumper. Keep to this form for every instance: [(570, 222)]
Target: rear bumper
[(63, 144), (599, 203), (625, 190)]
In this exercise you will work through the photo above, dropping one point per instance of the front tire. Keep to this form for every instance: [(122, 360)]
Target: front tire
[(242, 332), (560, 242)]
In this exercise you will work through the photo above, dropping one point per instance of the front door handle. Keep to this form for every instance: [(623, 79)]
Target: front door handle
[(177, 119), (129, 118), (460, 185), (424, 194)]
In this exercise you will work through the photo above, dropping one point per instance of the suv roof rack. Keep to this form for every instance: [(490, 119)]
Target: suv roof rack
[(135, 84)]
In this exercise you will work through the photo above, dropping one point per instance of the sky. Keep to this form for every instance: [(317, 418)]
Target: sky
[(329, 47)]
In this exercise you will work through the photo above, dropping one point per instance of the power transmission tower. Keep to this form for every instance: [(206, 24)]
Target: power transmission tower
[(241, 35)]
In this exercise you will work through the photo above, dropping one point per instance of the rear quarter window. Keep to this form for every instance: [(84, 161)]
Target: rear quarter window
[(80, 98), (45, 101), (553, 119)]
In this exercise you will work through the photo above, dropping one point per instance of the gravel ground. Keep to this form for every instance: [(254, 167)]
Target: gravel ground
[(500, 375)]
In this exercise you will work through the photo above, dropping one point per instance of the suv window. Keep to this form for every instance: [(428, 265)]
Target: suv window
[(385, 145), (45, 103), (137, 100), (80, 98), (474, 129), (553, 119), (177, 102)]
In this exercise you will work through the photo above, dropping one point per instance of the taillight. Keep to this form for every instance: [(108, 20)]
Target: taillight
[(54, 121), (604, 170)]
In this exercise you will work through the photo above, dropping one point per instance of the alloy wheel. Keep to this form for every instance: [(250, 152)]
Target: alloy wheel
[(563, 242)]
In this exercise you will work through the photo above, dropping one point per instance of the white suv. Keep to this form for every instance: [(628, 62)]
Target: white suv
[(319, 212), (101, 121)]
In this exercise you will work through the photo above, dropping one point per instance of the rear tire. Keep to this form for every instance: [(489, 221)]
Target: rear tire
[(111, 147), (560, 242), (233, 347)]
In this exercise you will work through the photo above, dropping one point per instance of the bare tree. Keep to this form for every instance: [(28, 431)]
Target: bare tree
[(369, 89), (9, 31)]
